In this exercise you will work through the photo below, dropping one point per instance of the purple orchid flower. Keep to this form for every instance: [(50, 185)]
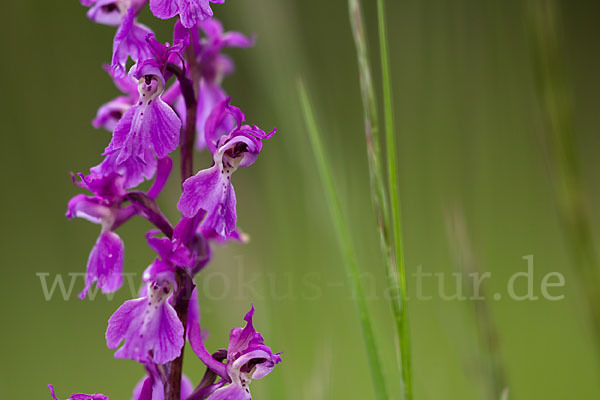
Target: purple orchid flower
[(211, 190), (151, 124), (193, 314), (149, 326), (109, 114), (130, 41), (247, 358), (149, 127), (213, 67), (190, 11), (79, 396), (187, 250), (105, 262)]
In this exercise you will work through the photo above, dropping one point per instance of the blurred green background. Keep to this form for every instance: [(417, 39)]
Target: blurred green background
[(470, 133)]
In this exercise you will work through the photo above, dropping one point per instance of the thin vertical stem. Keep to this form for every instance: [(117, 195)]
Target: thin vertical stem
[(378, 189), (370, 115), (347, 248), (182, 302), (184, 280), (189, 136), (402, 318)]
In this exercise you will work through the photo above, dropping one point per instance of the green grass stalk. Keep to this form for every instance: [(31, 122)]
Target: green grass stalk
[(346, 246), (377, 183), (392, 175), (371, 119)]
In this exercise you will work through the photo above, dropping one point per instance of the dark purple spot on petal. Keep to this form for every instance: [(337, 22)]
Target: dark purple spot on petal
[(116, 114), (109, 8)]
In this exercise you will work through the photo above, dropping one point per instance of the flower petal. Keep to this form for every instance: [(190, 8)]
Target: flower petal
[(193, 11), (152, 126), (129, 41), (107, 12), (240, 338), (149, 326), (109, 114), (152, 389), (134, 170), (143, 389), (105, 264), (198, 192), (79, 396), (258, 362), (86, 207), (222, 120), (231, 392), (210, 190), (164, 9), (163, 170)]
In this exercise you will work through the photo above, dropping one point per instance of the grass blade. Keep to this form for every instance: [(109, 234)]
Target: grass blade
[(370, 115), (378, 189), (345, 242), (392, 175)]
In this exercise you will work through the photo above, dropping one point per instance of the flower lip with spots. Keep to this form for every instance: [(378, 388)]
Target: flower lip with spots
[(234, 146), (151, 124), (148, 326)]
